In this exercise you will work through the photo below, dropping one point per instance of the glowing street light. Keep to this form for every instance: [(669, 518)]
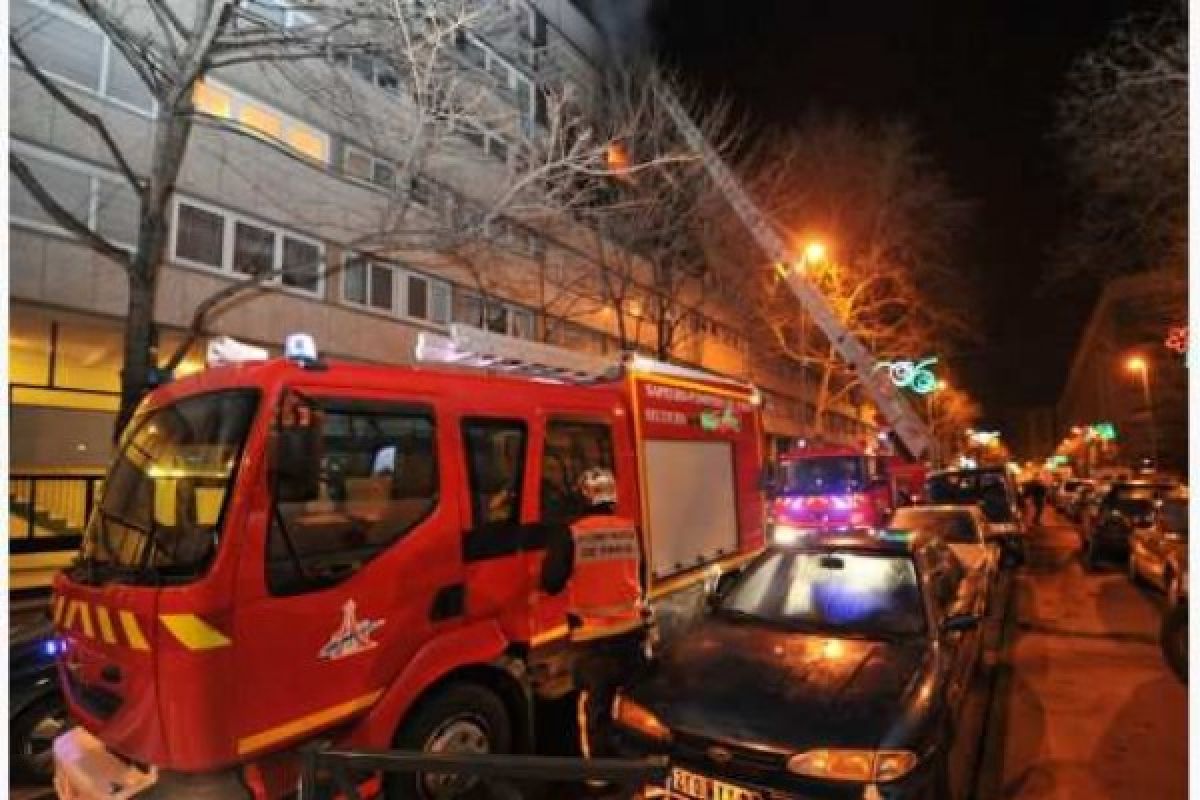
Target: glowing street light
[(814, 253), (1137, 365)]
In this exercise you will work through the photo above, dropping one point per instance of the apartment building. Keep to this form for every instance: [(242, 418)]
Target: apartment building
[(1132, 319), (299, 170)]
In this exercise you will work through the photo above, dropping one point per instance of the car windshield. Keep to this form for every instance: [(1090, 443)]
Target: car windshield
[(1136, 500), (1174, 515), (952, 527), (989, 489), (834, 593), (823, 475), (166, 491)]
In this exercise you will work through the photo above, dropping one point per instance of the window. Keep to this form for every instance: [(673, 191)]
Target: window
[(253, 249), (69, 46), (99, 199), (495, 452), (199, 235), (389, 287), (500, 317), (221, 101), (440, 295), (302, 262), (577, 457), (379, 480), (214, 237), (362, 165), (418, 297)]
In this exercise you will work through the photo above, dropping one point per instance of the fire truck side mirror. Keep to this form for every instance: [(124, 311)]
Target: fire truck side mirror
[(295, 454)]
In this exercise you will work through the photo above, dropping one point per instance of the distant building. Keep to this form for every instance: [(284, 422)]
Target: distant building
[(1132, 318)]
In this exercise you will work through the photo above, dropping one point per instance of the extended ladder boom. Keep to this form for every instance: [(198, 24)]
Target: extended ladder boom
[(904, 421)]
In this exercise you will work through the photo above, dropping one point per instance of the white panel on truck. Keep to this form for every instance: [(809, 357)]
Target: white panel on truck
[(690, 491)]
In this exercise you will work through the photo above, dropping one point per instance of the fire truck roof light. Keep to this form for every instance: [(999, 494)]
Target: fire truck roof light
[(225, 350), (301, 348)]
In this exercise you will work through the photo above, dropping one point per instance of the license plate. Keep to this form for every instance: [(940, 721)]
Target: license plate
[(701, 787)]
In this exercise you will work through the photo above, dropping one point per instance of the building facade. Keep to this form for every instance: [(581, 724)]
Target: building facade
[(296, 172), (1124, 341)]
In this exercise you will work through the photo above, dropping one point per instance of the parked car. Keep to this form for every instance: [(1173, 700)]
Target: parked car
[(965, 529), (993, 490), (1158, 553), (1064, 497), (1110, 523), (842, 662), (36, 709)]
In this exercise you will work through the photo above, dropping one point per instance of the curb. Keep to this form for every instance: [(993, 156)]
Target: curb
[(989, 773)]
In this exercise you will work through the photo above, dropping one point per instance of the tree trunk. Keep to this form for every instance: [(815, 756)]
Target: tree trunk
[(172, 130)]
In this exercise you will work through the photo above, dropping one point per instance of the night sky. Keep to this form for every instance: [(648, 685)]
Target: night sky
[(978, 79)]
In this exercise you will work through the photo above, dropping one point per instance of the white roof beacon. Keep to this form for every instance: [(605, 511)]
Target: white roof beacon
[(226, 351)]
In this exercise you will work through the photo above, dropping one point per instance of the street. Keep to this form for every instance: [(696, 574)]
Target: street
[(1085, 704)]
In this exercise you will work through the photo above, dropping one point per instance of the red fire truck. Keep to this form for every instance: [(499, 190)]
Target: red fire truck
[(829, 487), (295, 551)]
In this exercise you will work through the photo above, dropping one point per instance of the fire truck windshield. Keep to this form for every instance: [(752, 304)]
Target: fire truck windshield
[(823, 475), (165, 494)]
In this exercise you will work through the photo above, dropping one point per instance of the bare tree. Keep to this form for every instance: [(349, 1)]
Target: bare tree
[(888, 221), (1123, 120), (443, 95)]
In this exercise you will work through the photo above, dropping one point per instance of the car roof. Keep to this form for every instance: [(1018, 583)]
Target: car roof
[(943, 508), (886, 541)]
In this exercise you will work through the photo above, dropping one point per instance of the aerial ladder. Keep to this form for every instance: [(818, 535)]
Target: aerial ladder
[(907, 425)]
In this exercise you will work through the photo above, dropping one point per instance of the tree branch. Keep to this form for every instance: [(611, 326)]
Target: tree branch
[(63, 217), (93, 121)]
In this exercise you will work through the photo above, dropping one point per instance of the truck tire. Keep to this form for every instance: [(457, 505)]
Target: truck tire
[(458, 718)]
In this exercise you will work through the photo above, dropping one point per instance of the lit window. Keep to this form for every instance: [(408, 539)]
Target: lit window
[(261, 120), (307, 141), (210, 100)]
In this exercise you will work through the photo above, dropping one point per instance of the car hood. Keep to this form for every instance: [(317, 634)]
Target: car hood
[(777, 689)]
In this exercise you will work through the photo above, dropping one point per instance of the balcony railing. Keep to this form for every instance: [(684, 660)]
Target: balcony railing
[(47, 511)]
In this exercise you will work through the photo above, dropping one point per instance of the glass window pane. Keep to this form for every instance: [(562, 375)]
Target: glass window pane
[(28, 347), (212, 100), (117, 212), (441, 303), (125, 85), (261, 120), (70, 188), (495, 455), (358, 164), (577, 471), (201, 235), (88, 356), (497, 318), (253, 249), (363, 66), (301, 264), (383, 174), (418, 297), (468, 309), (381, 286), (307, 141), (57, 45), (354, 284), (522, 324), (379, 480)]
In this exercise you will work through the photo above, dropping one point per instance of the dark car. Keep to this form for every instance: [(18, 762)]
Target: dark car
[(825, 669), (992, 489), (36, 710), (1125, 508)]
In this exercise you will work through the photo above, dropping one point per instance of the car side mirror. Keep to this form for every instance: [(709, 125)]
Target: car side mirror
[(294, 465), (960, 622)]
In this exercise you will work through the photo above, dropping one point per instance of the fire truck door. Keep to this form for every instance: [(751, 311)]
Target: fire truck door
[(495, 457), (355, 575)]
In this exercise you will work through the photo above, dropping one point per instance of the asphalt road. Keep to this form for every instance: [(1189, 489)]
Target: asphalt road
[(1085, 706)]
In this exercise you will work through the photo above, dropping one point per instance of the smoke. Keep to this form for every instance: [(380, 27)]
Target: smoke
[(624, 24)]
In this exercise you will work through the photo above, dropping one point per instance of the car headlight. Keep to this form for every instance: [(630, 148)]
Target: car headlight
[(853, 765), (638, 718)]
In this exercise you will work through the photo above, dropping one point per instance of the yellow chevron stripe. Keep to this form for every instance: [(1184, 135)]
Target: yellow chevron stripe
[(306, 723), (69, 616), (85, 619), (193, 632), (106, 628), (133, 633), (59, 602)]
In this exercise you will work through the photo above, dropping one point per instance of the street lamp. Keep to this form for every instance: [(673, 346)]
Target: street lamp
[(1138, 365)]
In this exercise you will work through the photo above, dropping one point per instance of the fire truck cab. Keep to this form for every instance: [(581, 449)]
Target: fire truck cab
[(292, 551), (832, 486)]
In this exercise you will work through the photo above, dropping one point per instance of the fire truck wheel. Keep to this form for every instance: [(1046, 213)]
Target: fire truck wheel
[(459, 718)]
